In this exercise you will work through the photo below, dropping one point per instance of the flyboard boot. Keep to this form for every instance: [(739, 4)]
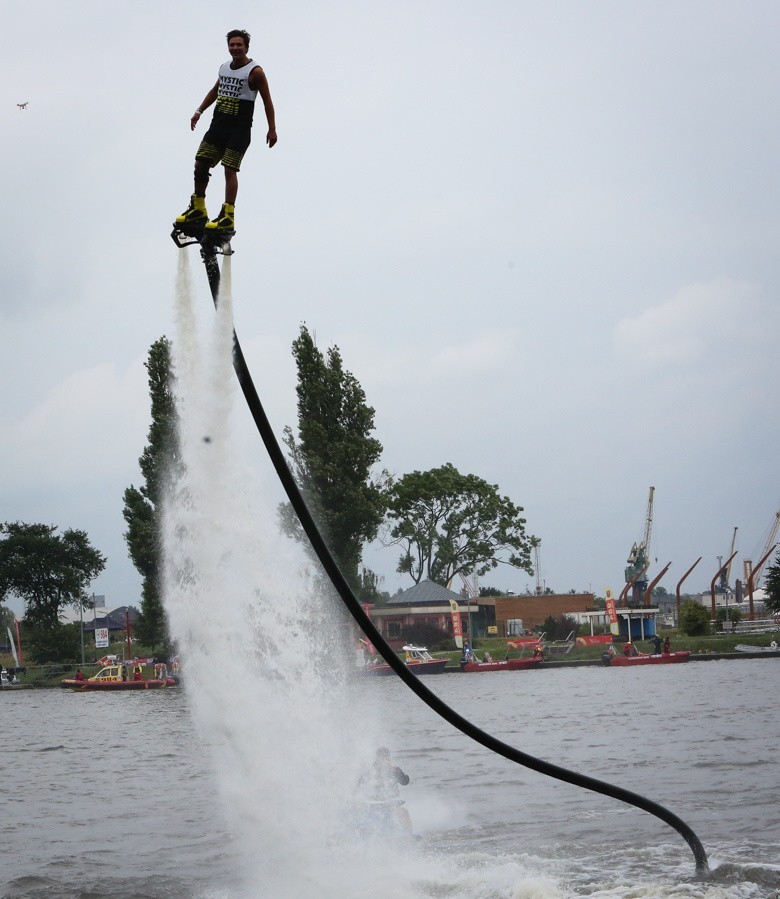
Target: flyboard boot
[(193, 226), (194, 216), (224, 223)]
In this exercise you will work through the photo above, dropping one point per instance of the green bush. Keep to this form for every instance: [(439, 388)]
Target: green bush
[(558, 628), (694, 619), (58, 644), (428, 635), (733, 614)]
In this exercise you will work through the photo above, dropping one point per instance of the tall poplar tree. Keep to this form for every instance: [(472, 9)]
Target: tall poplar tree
[(333, 456), (143, 505)]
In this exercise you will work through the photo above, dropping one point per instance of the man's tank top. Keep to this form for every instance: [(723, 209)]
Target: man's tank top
[(234, 96)]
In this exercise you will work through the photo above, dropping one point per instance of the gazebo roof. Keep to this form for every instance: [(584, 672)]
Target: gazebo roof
[(426, 592)]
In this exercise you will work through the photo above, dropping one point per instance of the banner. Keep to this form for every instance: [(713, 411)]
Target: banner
[(594, 640), (101, 637), (522, 642), (609, 604), (13, 645), (457, 626)]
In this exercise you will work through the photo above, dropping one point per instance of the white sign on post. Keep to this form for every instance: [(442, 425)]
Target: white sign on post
[(101, 637)]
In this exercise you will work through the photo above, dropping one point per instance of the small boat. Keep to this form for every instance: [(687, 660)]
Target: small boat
[(664, 658), (504, 665), (9, 680), (746, 647), (417, 658), (117, 677)]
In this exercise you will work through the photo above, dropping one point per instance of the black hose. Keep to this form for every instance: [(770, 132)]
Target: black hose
[(369, 629)]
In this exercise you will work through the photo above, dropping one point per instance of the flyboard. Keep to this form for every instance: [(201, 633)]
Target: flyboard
[(213, 243)]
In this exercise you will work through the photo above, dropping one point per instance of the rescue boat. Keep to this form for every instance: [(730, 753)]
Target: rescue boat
[(503, 665), (121, 676), (664, 658), (417, 658)]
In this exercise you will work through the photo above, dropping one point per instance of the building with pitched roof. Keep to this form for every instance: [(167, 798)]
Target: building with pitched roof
[(431, 604), (503, 616)]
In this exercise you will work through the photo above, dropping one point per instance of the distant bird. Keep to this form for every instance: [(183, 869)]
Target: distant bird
[(23, 105)]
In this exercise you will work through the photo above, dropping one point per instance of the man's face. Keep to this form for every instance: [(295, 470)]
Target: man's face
[(236, 47)]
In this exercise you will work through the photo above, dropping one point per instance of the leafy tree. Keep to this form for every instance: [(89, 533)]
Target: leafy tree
[(491, 591), (370, 583), (772, 587), (449, 523), (734, 615), (143, 505), (43, 645), (424, 633), (694, 619), (333, 456), (47, 570)]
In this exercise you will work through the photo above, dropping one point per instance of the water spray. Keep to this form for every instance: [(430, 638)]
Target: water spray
[(369, 629)]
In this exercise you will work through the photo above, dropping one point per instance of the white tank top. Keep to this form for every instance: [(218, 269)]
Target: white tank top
[(234, 93)]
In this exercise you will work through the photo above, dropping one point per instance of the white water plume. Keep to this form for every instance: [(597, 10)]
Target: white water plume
[(266, 653), (251, 618)]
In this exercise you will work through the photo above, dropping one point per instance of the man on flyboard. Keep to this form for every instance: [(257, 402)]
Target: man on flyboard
[(229, 135)]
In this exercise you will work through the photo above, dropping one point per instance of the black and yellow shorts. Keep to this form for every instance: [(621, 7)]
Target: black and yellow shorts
[(226, 141)]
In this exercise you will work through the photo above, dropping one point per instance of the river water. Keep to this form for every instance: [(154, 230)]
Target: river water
[(118, 795)]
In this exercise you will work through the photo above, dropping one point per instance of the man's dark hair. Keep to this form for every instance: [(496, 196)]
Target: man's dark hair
[(244, 35)]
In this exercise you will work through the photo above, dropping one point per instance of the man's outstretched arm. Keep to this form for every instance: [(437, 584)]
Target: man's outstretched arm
[(210, 97)]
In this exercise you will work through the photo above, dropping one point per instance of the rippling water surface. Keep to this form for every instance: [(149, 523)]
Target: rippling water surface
[(115, 794)]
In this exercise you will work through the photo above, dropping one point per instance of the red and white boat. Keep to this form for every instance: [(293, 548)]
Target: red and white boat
[(505, 665), (664, 658), (417, 659), (121, 676)]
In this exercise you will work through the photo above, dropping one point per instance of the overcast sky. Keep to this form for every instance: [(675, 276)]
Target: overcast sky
[(544, 236)]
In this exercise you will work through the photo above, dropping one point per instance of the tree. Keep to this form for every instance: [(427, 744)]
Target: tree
[(772, 587), (423, 633), (332, 458), (734, 615), (491, 591), (62, 644), (694, 619), (449, 523), (143, 505), (47, 570), (369, 590)]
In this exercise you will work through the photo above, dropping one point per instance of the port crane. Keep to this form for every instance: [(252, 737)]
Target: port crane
[(725, 572), (536, 544), (639, 558), (763, 555)]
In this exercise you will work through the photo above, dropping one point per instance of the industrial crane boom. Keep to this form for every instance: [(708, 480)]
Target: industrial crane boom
[(639, 557), (649, 523), (725, 574), (758, 570)]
